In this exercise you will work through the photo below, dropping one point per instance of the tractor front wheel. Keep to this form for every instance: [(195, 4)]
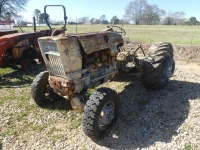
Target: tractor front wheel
[(100, 111), (42, 93)]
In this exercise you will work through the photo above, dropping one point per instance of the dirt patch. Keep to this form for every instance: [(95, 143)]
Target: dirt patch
[(181, 52)]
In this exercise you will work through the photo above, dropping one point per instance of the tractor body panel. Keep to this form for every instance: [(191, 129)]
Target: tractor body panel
[(92, 42), (77, 65), (13, 46)]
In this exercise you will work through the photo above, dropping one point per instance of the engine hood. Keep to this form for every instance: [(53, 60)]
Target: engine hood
[(92, 42)]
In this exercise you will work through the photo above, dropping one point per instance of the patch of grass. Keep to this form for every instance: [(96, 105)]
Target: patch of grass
[(5, 70), (38, 128), (74, 119), (90, 90), (144, 33), (10, 132), (19, 94), (188, 147), (84, 147), (20, 116), (76, 122), (57, 137)]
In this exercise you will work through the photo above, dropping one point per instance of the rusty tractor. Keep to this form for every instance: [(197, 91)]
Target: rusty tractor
[(23, 49), (78, 62)]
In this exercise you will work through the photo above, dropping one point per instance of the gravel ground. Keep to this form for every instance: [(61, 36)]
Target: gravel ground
[(165, 119)]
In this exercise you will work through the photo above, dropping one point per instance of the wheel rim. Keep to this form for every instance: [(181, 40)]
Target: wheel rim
[(45, 91), (30, 66), (167, 69), (106, 115)]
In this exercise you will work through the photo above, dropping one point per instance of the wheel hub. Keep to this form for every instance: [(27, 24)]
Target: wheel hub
[(106, 115), (167, 69)]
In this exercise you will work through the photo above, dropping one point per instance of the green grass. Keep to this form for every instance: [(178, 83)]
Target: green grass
[(15, 98), (188, 147), (5, 70), (189, 35), (38, 128)]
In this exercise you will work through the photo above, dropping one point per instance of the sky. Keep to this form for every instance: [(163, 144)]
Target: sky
[(97, 8)]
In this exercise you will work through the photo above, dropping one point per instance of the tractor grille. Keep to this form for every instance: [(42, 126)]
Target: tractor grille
[(54, 65), (52, 57)]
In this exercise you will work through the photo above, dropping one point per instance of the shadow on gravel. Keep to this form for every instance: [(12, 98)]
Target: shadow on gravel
[(59, 104), (1, 146), (19, 78), (147, 117)]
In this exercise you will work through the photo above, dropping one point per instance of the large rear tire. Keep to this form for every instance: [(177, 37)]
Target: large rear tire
[(29, 65), (158, 66), (41, 92), (100, 111)]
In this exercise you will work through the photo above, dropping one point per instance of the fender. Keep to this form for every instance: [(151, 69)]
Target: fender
[(9, 41), (4, 46)]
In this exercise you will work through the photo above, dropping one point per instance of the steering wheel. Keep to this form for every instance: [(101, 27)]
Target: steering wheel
[(123, 32), (56, 32)]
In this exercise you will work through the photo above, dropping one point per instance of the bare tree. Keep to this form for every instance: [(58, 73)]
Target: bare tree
[(135, 11), (12, 6), (176, 18), (102, 18), (37, 14), (179, 18), (93, 20), (115, 20), (85, 19), (168, 21), (42, 17), (193, 21), (7, 16), (152, 14)]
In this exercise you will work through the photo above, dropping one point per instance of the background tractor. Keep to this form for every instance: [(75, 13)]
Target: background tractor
[(77, 62), (23, 49)]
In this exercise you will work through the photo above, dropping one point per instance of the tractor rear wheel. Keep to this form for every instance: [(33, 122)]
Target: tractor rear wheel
[(100, 111), (158, 66), (29, 65)]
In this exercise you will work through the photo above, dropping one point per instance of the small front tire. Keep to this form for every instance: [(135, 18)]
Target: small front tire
[(100, 111), (41, 92)]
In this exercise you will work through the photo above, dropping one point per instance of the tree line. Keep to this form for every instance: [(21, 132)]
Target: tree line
[(143, 13), (140, 12), (101, 20), (136, 12)]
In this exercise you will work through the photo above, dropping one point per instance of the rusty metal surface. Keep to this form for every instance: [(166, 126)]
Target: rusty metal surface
[(8, 32), (93, 42), (77, 103), (19, 48), (65, 51), (100, 58), (62, 86), (122, 56), (11, 44)]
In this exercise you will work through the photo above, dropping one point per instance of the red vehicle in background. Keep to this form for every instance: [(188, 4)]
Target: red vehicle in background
[(23, 49)]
